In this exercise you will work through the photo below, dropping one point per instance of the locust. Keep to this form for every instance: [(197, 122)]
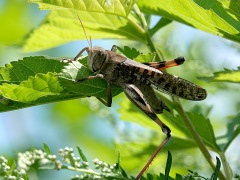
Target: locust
[(138, 81)]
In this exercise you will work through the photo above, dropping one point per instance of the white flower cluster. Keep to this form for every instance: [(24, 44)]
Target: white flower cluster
[(105, 168), (68, 157), (5, 171)]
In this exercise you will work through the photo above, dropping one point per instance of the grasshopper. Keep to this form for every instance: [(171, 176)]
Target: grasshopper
[(138, 81)]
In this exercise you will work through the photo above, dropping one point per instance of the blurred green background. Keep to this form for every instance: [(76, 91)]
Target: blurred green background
[(94, 127)]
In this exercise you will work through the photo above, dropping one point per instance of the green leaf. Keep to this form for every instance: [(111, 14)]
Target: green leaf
[(25, 177), (60, 27), (200, 123), (216, 17), (116, 7), (217, 169), (21, 70), (41, 89), (233, 130), (223, 76), (130, 53), (168, 165), (81, 154), (202, 109), (47, 149), (13, 167), (72, 162), (149, 57), (92, 87)]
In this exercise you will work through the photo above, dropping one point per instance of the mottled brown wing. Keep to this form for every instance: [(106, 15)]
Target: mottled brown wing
[(178, 87), (166, 83)]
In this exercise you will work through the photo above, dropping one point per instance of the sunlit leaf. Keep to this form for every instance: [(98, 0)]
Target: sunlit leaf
[(224, 76), (216, 17), (21, 70), (116, 7), (43, 88), (129, 52), (60, 27), (145, 58)]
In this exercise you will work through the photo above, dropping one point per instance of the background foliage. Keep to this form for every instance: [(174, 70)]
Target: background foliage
[(39, 80)]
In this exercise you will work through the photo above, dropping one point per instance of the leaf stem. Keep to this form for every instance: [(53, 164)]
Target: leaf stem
[(197, 138), (90, 171), (161, 23), (144, 32)]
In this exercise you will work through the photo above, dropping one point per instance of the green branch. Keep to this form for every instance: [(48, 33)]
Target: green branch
[(197, 138)]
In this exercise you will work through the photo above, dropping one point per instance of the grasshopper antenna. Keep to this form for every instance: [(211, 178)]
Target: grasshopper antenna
[(89, 43)]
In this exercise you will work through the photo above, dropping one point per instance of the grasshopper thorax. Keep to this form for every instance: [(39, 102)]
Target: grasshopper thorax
[(96, 58)]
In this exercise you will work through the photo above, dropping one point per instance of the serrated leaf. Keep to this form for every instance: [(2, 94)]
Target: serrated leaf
[(223, 76), (216, 17), (41, 89), (81, 154), (144, 58), (168, 165), (130, 53), (47, 149), (21, 70), (233, 130), (200, 123), (92, 87), (60, 27), (116, 7)]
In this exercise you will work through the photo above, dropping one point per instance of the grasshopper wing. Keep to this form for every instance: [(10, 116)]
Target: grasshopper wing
[(176, 86), (166, 83)]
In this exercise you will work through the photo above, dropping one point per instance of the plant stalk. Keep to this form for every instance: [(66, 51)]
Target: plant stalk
[(226, 168), (197, 138)]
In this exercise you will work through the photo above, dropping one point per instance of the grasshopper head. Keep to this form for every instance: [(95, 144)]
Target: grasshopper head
[(96, 58)]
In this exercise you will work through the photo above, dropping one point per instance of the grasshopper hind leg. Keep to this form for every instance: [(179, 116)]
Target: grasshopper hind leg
[(136, 97)]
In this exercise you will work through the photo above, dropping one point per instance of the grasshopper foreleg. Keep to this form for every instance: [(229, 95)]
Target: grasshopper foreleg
[(108, 103), (137, 98), (99, 76), (109, 96)]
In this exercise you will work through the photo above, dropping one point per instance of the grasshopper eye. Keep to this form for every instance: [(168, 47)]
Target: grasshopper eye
[(99, 53)]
